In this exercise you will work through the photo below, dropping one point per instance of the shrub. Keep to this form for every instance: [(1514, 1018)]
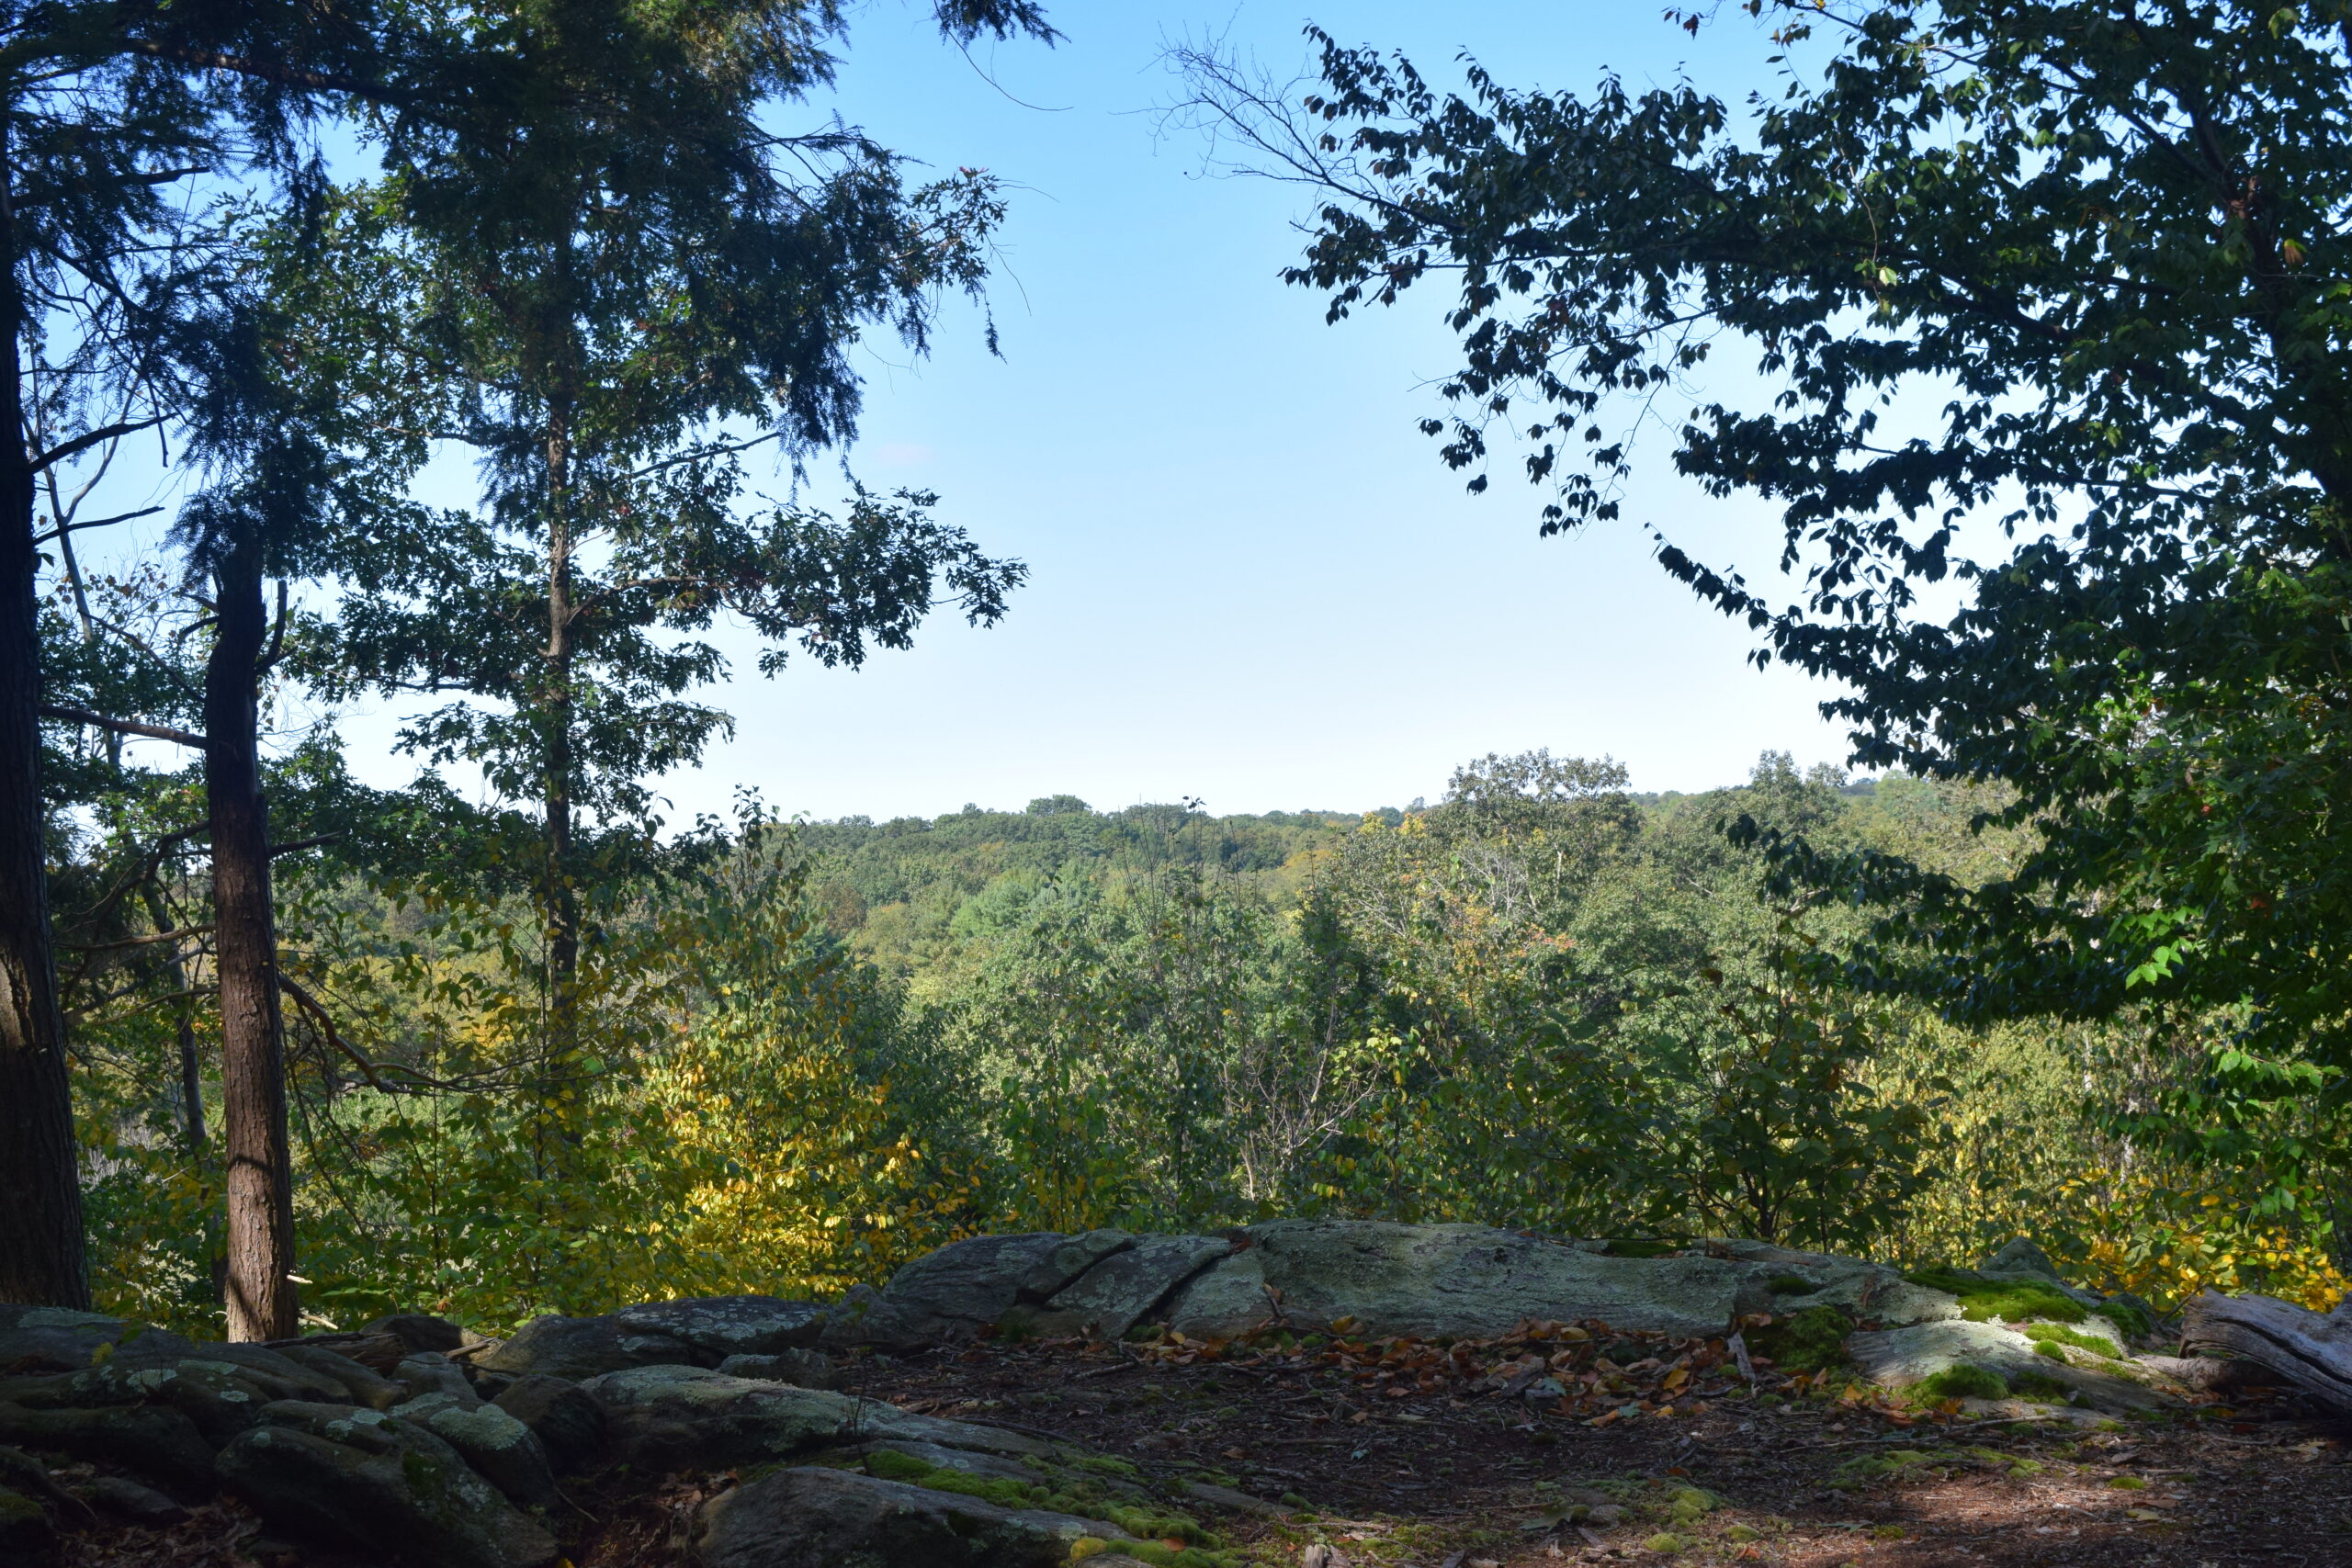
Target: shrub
[(1811, 1341)]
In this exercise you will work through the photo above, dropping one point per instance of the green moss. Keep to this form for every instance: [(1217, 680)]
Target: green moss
[(2126, 1483), (1666, 1543), (1964, 1381), (1984, 1301), (1868, 1468), (1790, 1285), (1812, 1341), (1150, 1526), (1109, 1466), (2050, 1351), (1002, 1491), (1994, 1459), (2047, 1337), (1740, 1534), (1162, 1555), (1691, 1504)]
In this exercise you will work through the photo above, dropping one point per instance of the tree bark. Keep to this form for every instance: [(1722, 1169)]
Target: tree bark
[(2310, 1351), (43, 1260), (260, 1289)]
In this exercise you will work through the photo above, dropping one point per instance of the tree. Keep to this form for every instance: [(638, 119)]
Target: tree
[(626, 262), (2103, 242), (103, 109)]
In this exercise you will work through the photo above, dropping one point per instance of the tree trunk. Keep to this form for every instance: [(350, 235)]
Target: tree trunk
[(41, 1256), (261, 1296), (2310, 1351), (191, 1065), (562, 901)]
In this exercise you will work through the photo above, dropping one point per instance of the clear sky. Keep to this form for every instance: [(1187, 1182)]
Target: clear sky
[(1252, 580)]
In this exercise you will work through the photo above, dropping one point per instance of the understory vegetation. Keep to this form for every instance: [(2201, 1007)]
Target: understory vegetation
[(1545, 1002)]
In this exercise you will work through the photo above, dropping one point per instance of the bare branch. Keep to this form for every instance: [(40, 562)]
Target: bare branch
[(126, 727)]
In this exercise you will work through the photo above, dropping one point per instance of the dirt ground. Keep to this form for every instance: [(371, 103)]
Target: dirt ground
[(1369, 1468)]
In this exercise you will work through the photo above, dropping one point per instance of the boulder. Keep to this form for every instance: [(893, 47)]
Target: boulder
[(127, 1499), (665, 1418), (156, 1441), (569, 1424), (805, 1369), (2022, 1257), (360, 1479), (430, 1373), (953, 1293), (508, 1454), (361, 1383), (253, 1363), (1461, 1281), (1898, 1358), (578, 1348), (836, 1519), (729, 1325), (1122, 1289), (41, 1338)]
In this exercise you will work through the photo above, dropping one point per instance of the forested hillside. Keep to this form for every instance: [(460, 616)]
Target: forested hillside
[(1543, 1001)]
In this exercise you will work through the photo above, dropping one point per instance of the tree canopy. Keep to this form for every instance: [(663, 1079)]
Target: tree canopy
[(2041, 302)]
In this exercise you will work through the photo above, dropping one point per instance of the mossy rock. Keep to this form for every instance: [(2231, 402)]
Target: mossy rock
[(2048, 1335), (1964, 1381)]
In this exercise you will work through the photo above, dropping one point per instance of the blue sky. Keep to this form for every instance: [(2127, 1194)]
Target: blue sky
[(1252, 582)]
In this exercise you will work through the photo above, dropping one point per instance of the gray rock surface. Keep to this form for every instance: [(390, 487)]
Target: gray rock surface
[(1898, 1358), (728, 1326), (664, 1418), (1456, 1279), (836, 1519), (358, 1479), (577, 1348), (567, 1423), (1122, 1288)]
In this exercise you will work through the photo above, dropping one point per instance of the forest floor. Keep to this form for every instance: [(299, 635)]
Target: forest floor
[(1437, 1481)]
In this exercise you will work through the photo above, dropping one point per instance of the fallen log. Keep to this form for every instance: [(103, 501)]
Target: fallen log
[(2310, 1351)]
